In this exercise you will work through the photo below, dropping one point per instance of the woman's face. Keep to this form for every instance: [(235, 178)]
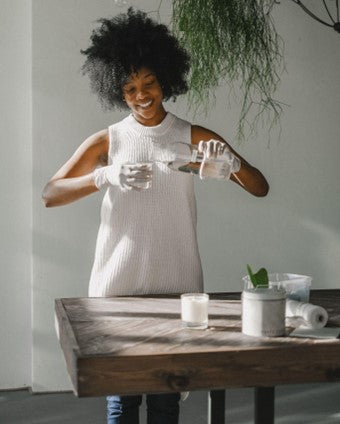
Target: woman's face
[(143, 94)]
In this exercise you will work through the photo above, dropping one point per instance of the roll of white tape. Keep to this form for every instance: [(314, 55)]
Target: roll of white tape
[(314, 316)]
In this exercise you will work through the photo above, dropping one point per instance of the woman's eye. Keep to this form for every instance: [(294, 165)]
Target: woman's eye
[(129, 90), (149, 83)]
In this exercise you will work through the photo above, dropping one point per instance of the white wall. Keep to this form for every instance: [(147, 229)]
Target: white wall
[(16, 193), (64, 114), (295, 228)]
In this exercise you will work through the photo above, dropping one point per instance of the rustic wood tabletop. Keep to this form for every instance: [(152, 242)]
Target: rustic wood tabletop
[(127, 345)]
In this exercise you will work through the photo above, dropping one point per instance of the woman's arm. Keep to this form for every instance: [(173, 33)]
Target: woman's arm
[(247, 177), (74, 179)]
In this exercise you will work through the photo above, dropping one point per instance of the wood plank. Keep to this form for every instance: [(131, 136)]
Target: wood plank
[(138, 345), (68, 342), (148, 374)]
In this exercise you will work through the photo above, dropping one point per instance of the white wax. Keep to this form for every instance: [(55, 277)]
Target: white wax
[(194, 309)]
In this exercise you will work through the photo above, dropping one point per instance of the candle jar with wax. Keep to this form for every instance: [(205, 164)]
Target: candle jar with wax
[(194, 310), (263, 307), (263, 312)]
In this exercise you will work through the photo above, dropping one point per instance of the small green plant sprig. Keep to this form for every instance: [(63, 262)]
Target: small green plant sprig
[(233, 42), (260, 278)]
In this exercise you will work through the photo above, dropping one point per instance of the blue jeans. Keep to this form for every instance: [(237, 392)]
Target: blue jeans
[(161, 409)]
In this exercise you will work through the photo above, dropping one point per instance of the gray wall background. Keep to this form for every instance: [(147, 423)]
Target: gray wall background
[(16, 193), (294, 229)]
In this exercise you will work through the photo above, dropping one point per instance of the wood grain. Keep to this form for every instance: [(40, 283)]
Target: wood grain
[(68, 342), (138, 345)]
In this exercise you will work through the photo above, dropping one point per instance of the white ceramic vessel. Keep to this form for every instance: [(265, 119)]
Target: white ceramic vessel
[(263, 312)]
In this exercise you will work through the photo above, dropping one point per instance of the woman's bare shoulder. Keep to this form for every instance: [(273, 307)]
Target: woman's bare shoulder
[(98, 138), (93, 151), (98, 144)]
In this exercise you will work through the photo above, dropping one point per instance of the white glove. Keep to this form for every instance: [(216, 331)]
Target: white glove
[(127, 177), (212, 149), (218, 162)]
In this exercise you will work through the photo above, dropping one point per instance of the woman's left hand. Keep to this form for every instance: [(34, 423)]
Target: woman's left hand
[(212, 148), (209, 168), (244, 174)]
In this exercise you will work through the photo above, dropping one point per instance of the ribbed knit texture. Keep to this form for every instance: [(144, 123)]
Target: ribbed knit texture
[(147, 240)]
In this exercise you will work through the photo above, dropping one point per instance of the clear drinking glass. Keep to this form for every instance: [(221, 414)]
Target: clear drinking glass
[(147, 166), (194, 310)]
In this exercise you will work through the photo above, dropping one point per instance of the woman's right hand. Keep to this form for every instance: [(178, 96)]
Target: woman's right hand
[(137, 176)]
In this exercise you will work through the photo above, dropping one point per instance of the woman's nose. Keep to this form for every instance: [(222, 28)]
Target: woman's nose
[(141, 94)]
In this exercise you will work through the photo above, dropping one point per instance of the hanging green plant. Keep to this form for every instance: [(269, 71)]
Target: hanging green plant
[(233, 42)]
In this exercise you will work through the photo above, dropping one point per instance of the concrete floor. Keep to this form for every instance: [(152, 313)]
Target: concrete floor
[(298, 404)]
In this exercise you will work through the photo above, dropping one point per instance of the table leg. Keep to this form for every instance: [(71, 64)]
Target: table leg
[(264, 405), (216, 407)]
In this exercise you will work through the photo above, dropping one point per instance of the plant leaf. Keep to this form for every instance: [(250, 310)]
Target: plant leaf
[(250, 273), (260, 278)]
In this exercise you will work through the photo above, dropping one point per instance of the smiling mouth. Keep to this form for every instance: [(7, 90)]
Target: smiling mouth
[(145, 105)]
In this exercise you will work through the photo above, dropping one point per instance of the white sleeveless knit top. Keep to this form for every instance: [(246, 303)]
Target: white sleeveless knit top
[(147, 241)]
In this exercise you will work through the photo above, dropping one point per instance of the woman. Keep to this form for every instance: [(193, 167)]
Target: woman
[(147, 240)]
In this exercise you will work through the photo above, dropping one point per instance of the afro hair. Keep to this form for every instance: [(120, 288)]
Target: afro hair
[(125, 44)]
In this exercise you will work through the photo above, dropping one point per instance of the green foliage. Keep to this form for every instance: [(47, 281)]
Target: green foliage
[(260, 278), (234, 42)]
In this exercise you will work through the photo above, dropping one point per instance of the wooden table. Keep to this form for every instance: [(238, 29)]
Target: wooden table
[(132, 345)]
